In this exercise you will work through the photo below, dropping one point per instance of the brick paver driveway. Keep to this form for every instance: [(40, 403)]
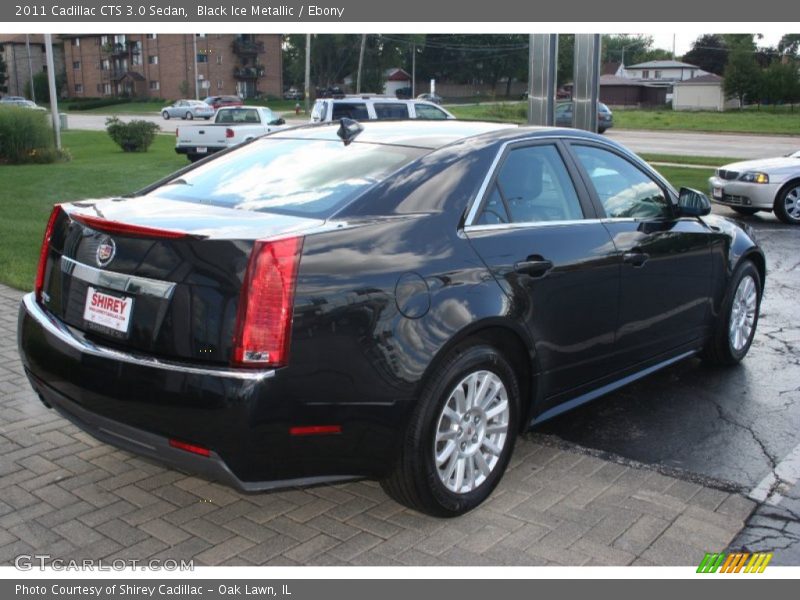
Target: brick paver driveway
[(67, 495)]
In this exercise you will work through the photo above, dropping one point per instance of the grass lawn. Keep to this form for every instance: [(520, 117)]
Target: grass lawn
[(711, 161), (98, 168), (691, 178), (765, 121)]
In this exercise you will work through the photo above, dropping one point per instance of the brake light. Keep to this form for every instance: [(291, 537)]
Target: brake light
[(45, 251), (315, 430), (264, 319), (228, 132), (107, 226)]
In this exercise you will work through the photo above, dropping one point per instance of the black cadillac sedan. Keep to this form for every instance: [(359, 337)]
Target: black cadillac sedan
[(396, 300)]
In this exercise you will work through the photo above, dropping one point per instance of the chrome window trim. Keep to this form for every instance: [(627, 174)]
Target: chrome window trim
[(60, 331), (469, 221), (117, 281), (531, 224)]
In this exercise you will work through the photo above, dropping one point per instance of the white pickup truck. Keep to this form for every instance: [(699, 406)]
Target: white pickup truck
[(232, 125)]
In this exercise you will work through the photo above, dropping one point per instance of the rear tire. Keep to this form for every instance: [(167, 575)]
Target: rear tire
[(742, 210), (193, 157), (736, 322), (458, 441), (189, 116), (787, 204)]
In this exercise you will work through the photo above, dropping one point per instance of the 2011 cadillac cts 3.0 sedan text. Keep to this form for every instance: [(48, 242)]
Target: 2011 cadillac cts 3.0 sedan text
[(394, 300)]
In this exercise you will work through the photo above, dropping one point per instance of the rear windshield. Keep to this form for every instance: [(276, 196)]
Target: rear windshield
[(306, 178)]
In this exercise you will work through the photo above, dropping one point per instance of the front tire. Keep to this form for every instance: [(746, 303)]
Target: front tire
[(460, 435), (189, 116), (165, 114), (787, 204), (736, 323)]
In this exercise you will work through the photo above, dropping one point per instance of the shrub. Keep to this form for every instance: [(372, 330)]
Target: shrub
[(23, 134), (134, 136), (91, 103)]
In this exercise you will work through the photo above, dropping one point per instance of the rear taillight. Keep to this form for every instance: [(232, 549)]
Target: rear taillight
[(45, 251), (229, 132), (264, 319)]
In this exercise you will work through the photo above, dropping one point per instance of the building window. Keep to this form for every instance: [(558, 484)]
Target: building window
[(103, 40), (152, 59), (219, 59), (202, 58), (155, 85), (78, 88), (152, 36), (76, 42), (200, 35), (107, 89), (219, 84), (658, 74), (645, 74), (76, 64), (119, 39), (105, 65)]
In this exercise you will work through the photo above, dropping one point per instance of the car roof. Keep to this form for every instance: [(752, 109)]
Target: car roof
[(431, 134)]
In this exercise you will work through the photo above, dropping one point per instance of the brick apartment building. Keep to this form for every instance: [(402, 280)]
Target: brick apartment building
[(20, 70), (165, 65)]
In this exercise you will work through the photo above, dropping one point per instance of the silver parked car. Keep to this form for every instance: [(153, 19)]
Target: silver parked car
[(188, 109), (20, 102), (767, 184)]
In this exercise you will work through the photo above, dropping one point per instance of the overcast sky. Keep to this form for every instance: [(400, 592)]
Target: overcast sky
[(683, 41)]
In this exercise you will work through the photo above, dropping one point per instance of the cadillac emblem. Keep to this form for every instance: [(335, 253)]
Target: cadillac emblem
[(105, 251)]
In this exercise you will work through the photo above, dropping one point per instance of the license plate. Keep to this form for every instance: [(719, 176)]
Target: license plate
[(716, 192), (201, 149), (106, 310)]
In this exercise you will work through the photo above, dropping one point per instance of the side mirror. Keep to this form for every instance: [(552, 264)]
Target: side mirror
[(692, 203), (278, 121)]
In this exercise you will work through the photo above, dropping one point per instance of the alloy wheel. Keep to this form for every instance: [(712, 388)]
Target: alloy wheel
[(743, 313)]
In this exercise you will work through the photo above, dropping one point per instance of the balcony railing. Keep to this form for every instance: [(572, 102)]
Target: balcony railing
[(247, 47), (248, 72)]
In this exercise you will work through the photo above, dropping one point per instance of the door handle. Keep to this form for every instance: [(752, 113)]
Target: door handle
[(534, 268), (637, 259)]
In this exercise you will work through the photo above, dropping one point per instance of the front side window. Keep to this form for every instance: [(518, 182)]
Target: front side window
[(532, 186), (426, 111), (623, 189)]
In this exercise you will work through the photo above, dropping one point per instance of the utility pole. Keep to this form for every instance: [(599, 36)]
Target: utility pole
[(361, 62), (194, 55), (307, 94), (414, 70), (30, 65), (51, 78)]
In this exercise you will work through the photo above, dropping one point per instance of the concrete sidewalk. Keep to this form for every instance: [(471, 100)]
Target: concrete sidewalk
[(67, 495)]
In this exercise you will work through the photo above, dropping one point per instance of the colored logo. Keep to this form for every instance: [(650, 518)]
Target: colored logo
[(735, 562), (105, 251)]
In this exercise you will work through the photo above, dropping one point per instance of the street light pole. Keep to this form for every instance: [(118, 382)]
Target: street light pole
[(51, 79), (30, 65), (307, 94), (361, 62), (194, 54)]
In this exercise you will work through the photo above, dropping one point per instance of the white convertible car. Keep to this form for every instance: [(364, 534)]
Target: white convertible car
[(768, 184)]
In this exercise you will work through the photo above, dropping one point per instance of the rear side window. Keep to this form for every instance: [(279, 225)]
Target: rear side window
[(426, 111), (532, 186), (385, 110), (350, 110), (310, 178)]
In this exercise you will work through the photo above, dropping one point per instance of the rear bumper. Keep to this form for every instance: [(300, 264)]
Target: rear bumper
[(193, 150), (140, 403)]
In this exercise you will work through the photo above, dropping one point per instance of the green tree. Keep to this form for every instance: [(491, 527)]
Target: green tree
[(742, 75), (789, 44), (781, 83), (709, 52), (41, 87)]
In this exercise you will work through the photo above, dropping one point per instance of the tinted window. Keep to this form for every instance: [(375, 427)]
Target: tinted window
[(532, 185), (426, 111), (298, 177), (384, 110), (350, 110), (623, 189)]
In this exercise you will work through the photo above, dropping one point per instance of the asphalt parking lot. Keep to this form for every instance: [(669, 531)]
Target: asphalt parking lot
[(687, 461)]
